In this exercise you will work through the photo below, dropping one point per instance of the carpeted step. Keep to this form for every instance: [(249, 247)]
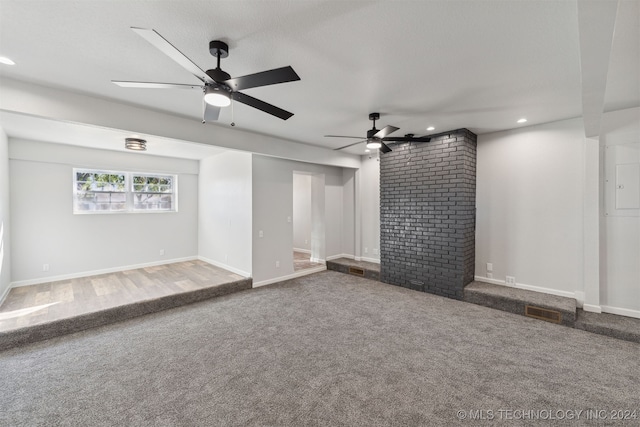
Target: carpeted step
[(621, 327), (368, 270), (19, 336), (519, 301)]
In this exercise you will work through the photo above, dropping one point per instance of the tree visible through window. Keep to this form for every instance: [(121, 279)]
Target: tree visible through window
[(108, 191)]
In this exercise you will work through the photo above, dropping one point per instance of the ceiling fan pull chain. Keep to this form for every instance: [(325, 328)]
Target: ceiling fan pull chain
[(233, 123)]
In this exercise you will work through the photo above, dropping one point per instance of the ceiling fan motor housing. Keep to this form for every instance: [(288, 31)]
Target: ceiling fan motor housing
[(218, 75)]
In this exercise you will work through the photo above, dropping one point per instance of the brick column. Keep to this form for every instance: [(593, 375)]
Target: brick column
[(427, 214)]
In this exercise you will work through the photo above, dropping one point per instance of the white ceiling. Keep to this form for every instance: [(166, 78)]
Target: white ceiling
[(450, 64)]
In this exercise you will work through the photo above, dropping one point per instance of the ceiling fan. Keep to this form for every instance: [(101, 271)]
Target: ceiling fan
[(218, 86), (377, 138)]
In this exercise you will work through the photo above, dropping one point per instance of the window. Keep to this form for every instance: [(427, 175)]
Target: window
[(97, 191)]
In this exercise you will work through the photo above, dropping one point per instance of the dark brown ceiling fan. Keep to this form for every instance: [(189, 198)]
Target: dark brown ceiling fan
[(376, 138), (218, 86)]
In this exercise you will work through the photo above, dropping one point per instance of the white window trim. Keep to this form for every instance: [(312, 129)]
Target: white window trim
[(129, 193)]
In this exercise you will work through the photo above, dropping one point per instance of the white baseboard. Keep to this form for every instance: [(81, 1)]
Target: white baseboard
[(5, 293), (580, 296), (224, 266), (592, 308), (48, 279), (566, 294), (621, 311), (332, 257), (300, 273), (304, 251), (318, 260)]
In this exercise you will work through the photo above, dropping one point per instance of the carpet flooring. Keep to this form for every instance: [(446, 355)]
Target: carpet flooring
[(326, 349)]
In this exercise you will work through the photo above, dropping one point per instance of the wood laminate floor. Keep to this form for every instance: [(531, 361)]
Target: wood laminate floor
[(35, 304), (302, 261)]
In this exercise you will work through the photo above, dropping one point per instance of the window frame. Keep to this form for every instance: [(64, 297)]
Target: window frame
[(129, 204)]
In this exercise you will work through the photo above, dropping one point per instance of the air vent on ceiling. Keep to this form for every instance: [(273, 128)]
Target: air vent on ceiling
[(543, 314)]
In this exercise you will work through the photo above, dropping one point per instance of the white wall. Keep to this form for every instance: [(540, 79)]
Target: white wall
[(273, 204), (620, 247), (530, 206), (44, 229), (224, 211), (302, 211), (5, 240), (370, 205), (350, 222)]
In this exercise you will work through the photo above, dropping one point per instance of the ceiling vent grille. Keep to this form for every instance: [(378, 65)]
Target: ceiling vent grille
[(543, 314)]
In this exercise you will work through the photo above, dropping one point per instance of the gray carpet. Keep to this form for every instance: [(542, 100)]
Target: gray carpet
[(324, 350)]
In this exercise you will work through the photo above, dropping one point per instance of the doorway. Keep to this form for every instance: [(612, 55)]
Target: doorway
[(308, 220)]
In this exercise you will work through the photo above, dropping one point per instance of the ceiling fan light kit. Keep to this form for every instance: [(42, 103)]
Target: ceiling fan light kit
[(217, 95), (376, 138), (217, 85)]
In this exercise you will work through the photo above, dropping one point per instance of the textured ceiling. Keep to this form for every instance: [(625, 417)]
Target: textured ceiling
[(450, 64)]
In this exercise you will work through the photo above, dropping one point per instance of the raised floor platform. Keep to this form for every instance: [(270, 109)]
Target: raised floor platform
[(368, 270), (536, 305), (39, 312)]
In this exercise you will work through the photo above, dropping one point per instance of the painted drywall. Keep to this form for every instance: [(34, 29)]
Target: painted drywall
[(370, 204), (620, 239), (302, 211), (5, 228), (349, 222), (224, 211), (56, 104), (272, 206), (44, 229), (530, 206)]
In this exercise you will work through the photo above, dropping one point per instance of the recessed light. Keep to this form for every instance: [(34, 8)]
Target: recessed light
[(522, 120), (431, 128), (6, 61)]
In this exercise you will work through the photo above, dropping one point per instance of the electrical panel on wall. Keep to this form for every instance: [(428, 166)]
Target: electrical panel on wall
[(622, 179)]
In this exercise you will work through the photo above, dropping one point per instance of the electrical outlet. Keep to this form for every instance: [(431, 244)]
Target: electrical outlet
[(45, 267), (260, 233), (161, 251), (489, 275), (288, 219), (489, 266), (375, 251), (366, 250), (306, 242), (277, 264), (510, 280)]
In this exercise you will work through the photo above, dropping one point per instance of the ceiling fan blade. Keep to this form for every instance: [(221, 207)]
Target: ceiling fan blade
[(384, 148), (210, 113), (406, 139), (342, 136), (261, 105), (350, 145), (170, 50), (265, 78), (150, 85), (385, 131)]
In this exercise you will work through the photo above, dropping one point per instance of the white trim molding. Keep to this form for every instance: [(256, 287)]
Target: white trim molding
[(224, 266), (592, 308), (96, 272), (566, 294), (332, 257), (300, 273), (304, 251), (620, 311), (6, 292), (373, 260)]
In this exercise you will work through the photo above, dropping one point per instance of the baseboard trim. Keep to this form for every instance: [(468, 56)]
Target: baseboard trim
[(224, 266), (373, 260), (301, 273), (5, 293), (620, 311), (48, 279), (592, 308), (332, 257), (566, 294), (318, 260), (304, 251)]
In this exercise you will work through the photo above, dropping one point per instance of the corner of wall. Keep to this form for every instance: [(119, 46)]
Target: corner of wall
[(5, 238)]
